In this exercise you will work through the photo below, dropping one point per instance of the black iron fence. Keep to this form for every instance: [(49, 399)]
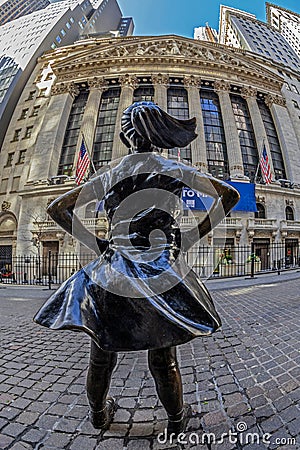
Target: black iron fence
[(207, 261)]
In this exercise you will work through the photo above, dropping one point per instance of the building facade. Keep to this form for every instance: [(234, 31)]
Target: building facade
[(206, 34), (287, 23), (23, 40), (242, 30), (240, 102), (12, 9)]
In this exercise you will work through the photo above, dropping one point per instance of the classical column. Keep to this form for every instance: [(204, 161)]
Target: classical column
[(50, 138), (128, 84), (89, 121), (160, 83), (249, 94), (286, 134), (198, 145), (235, 160)]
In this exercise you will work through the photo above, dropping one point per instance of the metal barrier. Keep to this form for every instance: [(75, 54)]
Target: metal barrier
[(207, 261)]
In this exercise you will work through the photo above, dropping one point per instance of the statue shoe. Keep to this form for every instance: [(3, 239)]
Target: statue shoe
[(103, 418), (177, 423)]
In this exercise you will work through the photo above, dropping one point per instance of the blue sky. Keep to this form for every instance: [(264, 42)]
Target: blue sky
[(180, 17)]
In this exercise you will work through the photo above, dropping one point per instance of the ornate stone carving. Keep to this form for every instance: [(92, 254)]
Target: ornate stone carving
[(276, 99), (191, 80), (5, 206), (129, 80), (221, 85), (98, 83), (65, 88), (160, 78), (248, 91)]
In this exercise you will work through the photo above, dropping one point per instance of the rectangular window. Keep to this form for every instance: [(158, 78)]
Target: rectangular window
[(17, 135), (31, 95), (9, 161), (42, 92), (3, 186), (15, 184), (22, 155), (294, 88), (24, 114), (35, 111), (58, 39), (28, 132), (295, 104)]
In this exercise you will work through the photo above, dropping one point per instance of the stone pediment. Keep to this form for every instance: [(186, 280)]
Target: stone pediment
[(102, 54)]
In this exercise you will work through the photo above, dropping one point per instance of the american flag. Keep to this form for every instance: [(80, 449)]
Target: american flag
[(265, 166), (83, 163)]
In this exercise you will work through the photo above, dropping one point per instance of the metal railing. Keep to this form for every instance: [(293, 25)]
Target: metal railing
[(207, 261)]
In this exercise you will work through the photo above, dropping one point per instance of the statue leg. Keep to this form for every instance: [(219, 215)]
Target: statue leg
[(164, 368), (99, 374)]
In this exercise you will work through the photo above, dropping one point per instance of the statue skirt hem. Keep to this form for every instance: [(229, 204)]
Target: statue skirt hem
[(119, 323)]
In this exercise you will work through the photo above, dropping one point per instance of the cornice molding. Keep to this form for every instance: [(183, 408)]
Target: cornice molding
[(140, 55)]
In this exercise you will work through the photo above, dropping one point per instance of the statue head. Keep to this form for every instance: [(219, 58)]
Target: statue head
[(145, 127)]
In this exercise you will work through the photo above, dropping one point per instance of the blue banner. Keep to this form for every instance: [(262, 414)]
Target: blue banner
[(200, 202)]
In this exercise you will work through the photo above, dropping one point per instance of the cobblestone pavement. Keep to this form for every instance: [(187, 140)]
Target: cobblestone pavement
[(245, 377)]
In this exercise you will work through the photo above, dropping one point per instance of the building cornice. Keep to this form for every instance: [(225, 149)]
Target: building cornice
[(119, 56)]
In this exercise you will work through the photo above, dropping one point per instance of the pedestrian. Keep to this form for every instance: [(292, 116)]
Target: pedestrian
[(139, 294)]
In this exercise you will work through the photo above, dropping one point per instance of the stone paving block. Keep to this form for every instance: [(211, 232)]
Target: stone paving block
[(272, 424), (141, 429), (14, 429), (5, 441), (34, 436), (58, 440), (47, 421), (119, 430), (294, 427), (111, 444), (122, 415), (83, 443), (67, 425), (9, 413), (264, 412)]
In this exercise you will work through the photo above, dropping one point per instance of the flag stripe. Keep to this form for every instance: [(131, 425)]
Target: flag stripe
[(265, 166), (83, 163)]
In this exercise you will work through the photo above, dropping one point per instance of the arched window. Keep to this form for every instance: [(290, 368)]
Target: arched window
[(246, 135), (289, 213), (216, 149), (178, 107), (90, 210), (68, 151), (261, 211), (105, 128)]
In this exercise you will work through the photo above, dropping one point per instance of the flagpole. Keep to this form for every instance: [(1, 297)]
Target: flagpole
[(89, 155), (259, 156)]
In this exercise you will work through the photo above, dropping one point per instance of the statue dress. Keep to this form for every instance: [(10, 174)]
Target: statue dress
[(164, 302)]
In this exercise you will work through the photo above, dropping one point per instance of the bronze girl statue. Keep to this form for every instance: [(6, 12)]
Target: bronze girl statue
[(139, 294)]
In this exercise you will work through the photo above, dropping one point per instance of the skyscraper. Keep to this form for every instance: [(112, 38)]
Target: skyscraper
[(23, 40), (287, 23), (12, 9), (242, 30), (206, 34)]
